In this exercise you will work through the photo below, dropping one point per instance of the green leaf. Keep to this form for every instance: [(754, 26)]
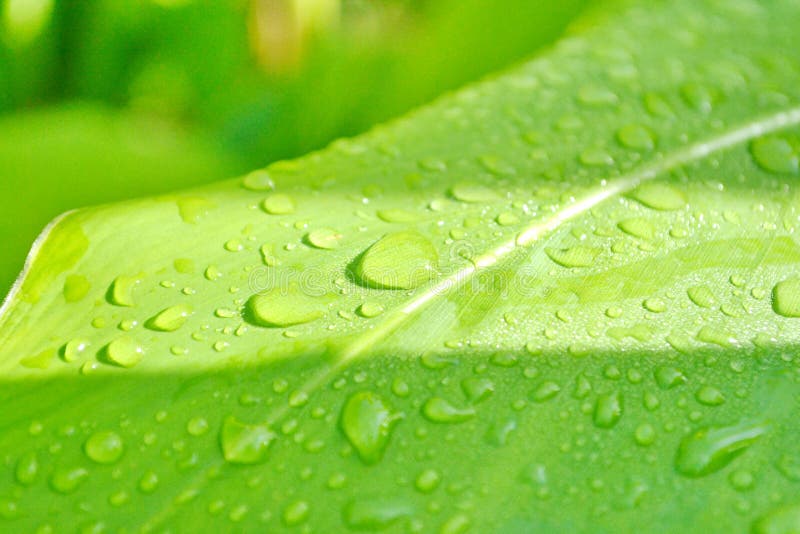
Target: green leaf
[(561, 300)]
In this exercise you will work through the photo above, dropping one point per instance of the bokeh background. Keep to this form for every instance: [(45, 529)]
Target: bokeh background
[(102, 100)]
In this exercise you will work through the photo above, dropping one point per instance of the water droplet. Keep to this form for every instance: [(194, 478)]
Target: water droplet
[(280, 307), (507, 219), (710, 449), (197, 426), (496, 166), (741, 480), (786, 298), (458, 524), (699, 96), (608, 410), (367, 422), (659, 196), (193, 209), (324, 238), (370, 309), (473, 193), (577, 256), (439, 410), (243, 443), (638, 227), (105, 447), (121, 291), (710, 396), (296, 513), (782, 520), (148, 483), (645, 434), (636, 137), (375, 514), (596, 156), (668, 377), (278, 204), (428, 480), (397, 215), (258, 180), (27, 469), (477, 389), (655, 305), (74, 348), (402, 260), (545, 391), (776, 154), (125, 352), (702, 296), (170, 319), (67, 480)]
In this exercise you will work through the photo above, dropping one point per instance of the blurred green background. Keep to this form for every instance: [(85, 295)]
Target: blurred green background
[(102, 100)]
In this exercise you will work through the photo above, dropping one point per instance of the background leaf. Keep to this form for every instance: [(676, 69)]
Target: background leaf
[(564, 299)]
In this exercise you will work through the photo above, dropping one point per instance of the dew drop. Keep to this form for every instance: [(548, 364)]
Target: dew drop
[(258, 180), (170, 319), (397, 215), (428, 480), (367, 421), (375, 514), (659, 196), (125, 352), (702, 296), (370, 309), (545, 391), (105, 447), (786, 298), (296, 513), (776, 154), (473, 193), (67, 480), (577, 256), (278, 204), (638, 227), (402, 260), (324, 238), (477, 389), (121, 291), (608, 410), (669, 377), (710, 449), (243, 443), (710, 396), (280, 307), (596, 156), (438, 410), (27, 468), (636, 136)]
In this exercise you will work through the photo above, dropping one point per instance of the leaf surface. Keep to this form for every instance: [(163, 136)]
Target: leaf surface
[(563, 299)]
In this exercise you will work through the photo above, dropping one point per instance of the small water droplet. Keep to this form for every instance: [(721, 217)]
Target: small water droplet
[(473, 193), (608, 410), (324, 238), (258, 180), (638, 227), (121, 291), (376, 513), (67, 480), (296, 513), (776, 154), (636, 136)]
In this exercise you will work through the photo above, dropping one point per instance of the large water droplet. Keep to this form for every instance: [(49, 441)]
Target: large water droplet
[(121, 291), (105, 447), (324, 238), (402, 260), (608, 410), (258, 180), (439, 410), (367, 422), (638, 227), (67, 480), (786, 298), (776, 154), (170, 319), (659, 196), (702, 296), (473, 193), (710, 449), (577, 256), (278, 204), (280, 307), (125, 352), (243, 443)]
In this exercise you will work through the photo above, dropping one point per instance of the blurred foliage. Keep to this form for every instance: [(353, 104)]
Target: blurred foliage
[(222, 86)]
